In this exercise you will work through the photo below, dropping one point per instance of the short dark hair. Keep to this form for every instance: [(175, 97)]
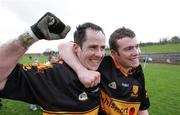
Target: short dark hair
[(80, 33), (119, 34)]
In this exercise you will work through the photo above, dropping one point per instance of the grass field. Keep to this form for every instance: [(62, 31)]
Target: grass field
[(162, 83), (11, 107), (25, 59), (161, 48)]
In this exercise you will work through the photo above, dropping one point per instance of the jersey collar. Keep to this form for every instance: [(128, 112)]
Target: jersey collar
[(120, 68)]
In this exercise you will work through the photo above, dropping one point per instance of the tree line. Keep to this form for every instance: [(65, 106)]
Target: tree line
[(173, 40)]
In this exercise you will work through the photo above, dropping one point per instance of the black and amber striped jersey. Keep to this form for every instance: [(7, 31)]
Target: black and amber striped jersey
[(56, 88), (122, 94)]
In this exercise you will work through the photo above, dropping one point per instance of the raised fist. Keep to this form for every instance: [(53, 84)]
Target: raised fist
[(49, 27)]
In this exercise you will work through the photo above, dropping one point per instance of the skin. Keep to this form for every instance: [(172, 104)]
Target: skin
[(10, 54), (128, 53), (92, 51)]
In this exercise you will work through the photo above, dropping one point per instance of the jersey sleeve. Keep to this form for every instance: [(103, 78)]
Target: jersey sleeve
[(22, 83)]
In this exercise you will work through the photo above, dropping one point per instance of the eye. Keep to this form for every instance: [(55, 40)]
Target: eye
[(128, 48), (102, 48), (93, 47), (137, 46)]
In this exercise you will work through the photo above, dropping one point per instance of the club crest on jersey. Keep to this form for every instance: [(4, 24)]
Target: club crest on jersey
[(135, 90), (83, 96), (112, 85)]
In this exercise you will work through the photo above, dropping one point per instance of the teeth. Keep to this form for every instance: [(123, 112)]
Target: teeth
[(135, 58), (95, 61)]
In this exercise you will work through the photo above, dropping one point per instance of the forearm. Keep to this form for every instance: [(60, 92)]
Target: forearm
[(10, 52), (67, 54)]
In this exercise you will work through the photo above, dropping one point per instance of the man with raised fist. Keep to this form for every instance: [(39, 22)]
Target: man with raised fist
[(54, 87)]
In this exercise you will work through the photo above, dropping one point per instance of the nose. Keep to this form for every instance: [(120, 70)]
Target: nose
[(136, 51), (100, 53)]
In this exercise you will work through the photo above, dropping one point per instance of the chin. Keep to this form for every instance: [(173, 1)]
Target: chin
[(93, 68), (135, 64)]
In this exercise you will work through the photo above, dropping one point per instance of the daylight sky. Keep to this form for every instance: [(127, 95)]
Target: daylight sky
[(149, 19)]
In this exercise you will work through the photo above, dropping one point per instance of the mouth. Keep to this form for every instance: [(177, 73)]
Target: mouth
[(95, 61), (135, 59)]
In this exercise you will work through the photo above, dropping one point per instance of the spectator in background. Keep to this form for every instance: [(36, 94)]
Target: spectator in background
[(52, 57)]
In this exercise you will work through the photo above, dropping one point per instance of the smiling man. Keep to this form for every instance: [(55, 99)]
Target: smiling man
[(122, 79)]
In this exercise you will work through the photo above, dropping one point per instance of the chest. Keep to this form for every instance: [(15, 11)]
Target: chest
[(118, 86)]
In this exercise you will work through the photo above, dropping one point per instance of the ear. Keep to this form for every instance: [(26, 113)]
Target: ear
[(113, 53), (75, 47)]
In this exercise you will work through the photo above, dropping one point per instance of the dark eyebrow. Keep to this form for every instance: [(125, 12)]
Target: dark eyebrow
[(131, 47), (93, 46), (103, 46)]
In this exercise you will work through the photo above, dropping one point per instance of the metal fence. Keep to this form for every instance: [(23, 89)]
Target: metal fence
[(168, 58)]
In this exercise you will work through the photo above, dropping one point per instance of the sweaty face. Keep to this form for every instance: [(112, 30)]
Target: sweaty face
[(93, 49), (128, 52)]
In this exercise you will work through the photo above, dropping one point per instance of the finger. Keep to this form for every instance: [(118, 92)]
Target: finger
[(87, 86), (98, 79), (51, 21), (96, 82), (65, 31), (92, 83)]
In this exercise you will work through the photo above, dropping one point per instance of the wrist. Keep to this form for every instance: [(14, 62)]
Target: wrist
[(80, 68), (27, 39), (31, 33)]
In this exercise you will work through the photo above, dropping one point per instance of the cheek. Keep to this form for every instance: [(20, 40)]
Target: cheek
[(124, 55), (85, 54)]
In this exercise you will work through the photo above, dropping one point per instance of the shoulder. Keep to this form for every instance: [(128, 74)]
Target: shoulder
[(139, 69), (106, 63), (138, 73), (107, 60)]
